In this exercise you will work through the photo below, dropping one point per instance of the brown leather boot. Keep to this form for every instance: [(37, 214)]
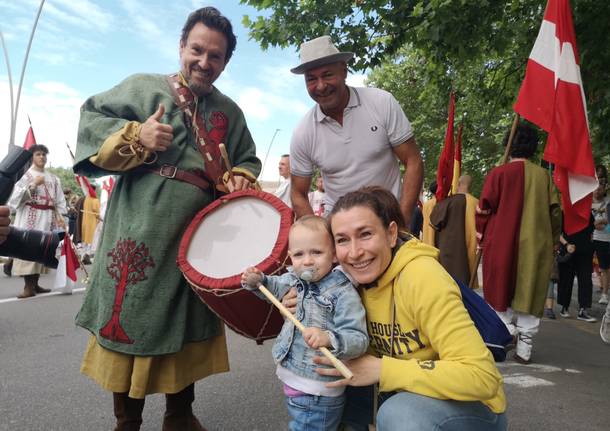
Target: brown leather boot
[(28, 288), (128, 412), (179, 413), (38, 288)]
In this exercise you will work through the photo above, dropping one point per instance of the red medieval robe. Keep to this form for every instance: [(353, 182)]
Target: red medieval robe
[(523, 223)]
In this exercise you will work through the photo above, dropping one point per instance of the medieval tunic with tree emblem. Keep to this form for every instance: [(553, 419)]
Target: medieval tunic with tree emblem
[(138, 302), (523, 223)]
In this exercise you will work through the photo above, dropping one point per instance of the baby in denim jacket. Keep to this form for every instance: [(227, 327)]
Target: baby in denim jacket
[(331, 311)]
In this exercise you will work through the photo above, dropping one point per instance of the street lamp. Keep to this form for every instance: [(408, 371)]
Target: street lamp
[(269, 149), (15, 109)]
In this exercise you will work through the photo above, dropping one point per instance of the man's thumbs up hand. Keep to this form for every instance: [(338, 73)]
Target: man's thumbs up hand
[(154, 135)]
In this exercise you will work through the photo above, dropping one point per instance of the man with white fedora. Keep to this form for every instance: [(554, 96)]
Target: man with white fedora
[(356, 136)]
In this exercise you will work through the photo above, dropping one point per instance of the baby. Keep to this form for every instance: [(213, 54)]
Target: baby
[(330, 309)]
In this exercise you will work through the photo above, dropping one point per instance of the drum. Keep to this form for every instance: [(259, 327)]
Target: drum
[(241, 229)]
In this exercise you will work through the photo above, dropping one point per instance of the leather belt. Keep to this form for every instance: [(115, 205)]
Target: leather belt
[(40, 206), (173, 173)]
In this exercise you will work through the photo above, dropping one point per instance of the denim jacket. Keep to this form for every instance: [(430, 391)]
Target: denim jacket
[(331, 304)]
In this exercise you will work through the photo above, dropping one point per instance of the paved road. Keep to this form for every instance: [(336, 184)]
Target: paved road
[(567, 388)]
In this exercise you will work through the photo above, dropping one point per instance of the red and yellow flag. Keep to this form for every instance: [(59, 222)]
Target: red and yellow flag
[(444, 172), (457, 160)]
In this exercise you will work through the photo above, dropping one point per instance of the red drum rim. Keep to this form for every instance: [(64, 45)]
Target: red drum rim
[(274, 261)]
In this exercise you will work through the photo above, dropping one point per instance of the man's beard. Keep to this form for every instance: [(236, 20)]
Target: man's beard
[(197, 88)]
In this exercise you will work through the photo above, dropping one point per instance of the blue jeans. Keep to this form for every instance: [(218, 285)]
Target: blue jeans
[(406, 411), (315, 413)]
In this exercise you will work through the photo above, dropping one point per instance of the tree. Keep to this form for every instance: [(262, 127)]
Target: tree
[(128, 266), (425, 102), (454, 42)]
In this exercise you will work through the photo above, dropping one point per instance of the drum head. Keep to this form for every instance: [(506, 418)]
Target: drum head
[(242, 229), (241, 233)]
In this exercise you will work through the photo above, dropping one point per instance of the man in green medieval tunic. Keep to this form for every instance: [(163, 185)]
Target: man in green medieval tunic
[(519, 221), (160, 135)]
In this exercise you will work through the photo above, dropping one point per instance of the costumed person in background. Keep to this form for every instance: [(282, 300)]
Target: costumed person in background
[(68, 198), (519, 222), (283, 190), (330, 309), (356, 137), (78, 224), (99, 229), (316, 198), (456, 236), (5, 221), (428, 232), (72, 213), (38, 200), (91, 217), (150, 331), (463, 187), (602, 174), (417, 219), (432, 367)]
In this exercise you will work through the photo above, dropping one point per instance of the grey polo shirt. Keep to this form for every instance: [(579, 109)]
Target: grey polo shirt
[(357, 154)]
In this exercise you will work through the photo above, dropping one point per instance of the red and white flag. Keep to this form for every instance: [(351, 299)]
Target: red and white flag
[(65, 278), (30, 139), (108, 185), (444, 172), (85, 186), (552, 97)]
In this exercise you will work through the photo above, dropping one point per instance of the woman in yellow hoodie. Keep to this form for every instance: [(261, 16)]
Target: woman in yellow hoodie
[(431, 365)]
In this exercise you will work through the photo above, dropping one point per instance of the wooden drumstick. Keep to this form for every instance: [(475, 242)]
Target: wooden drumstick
[(336, 362), (225, 157)]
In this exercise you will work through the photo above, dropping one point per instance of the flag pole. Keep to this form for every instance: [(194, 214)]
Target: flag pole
[(71, 153), (509, 144)]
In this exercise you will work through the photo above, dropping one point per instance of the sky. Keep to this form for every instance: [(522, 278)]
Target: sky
[(84, 47)]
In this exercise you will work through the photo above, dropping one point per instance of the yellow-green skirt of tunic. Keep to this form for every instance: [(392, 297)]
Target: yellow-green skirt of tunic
[(143, 375)]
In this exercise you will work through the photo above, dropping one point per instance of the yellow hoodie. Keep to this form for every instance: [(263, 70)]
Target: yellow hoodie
[(438, 352)]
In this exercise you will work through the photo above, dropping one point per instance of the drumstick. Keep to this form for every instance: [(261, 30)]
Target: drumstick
[(336, 362), (225, 157)]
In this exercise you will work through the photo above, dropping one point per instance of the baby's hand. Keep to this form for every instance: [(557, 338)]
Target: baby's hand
[(252, 277), (316, 338)]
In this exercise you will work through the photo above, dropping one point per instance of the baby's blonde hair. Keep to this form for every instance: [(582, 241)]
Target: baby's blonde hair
[(314, 222)]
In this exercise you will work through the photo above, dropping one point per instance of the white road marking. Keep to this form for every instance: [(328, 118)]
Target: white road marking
[(40, 295), (525, 381)]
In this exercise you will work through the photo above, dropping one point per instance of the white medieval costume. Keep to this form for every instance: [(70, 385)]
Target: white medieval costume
[(36, 208)]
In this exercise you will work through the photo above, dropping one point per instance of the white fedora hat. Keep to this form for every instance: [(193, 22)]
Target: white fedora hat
[(318, 52)]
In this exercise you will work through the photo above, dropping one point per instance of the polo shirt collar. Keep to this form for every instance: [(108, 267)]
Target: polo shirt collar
[(354, 101)]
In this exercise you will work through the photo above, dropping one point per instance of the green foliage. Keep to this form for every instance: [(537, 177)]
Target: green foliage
[(421, 49), (66, 176)]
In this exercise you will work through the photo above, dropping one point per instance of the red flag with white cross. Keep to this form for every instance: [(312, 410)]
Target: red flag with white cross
[(552, 97)]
